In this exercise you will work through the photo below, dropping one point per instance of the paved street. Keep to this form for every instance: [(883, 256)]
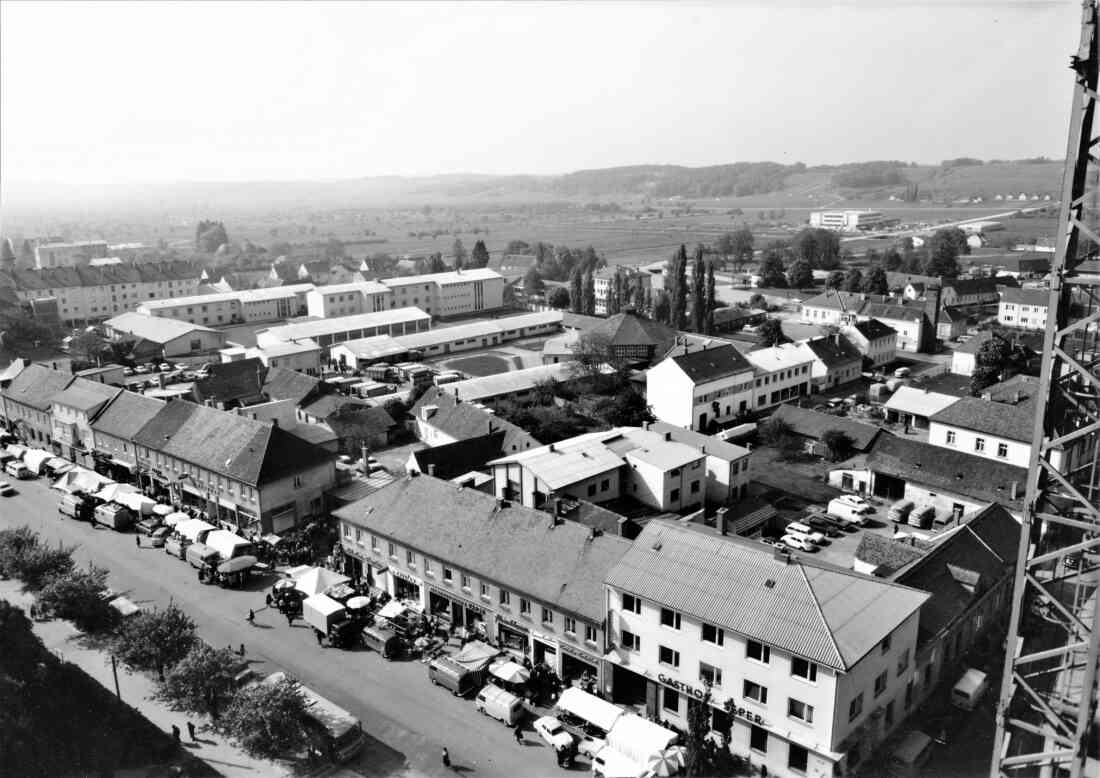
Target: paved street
[(407, 718)]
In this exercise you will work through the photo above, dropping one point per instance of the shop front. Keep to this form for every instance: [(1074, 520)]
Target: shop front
[(544, 650), (456, 611), (355, 565), (405, 586), (580, 668), (513, 637)]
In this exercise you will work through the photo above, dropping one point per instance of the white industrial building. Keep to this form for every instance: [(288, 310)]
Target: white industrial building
[(327, 332), (847, 221)]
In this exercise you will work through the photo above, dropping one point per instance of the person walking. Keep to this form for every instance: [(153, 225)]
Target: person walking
[(268, 599), (137, 540), (320, 637), (241, 652), (252, 617), (518, 732), (289, 619), (176, 734), (445, 758), (191, 731)]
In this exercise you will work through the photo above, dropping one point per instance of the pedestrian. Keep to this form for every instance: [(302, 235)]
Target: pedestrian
[(268, 599), (446, 758), (289, 619), (241, 652), (137, 540), (191, 731), (252, 617), (176, 734), (320, 636), (519, 733)]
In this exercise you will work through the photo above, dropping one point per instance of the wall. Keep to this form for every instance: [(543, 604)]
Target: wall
[(962, 363), (908, 333), (669, 393), (1028, 317), (773, 388), (305, 490), (1017, 453), (185, 344), (670, 490)]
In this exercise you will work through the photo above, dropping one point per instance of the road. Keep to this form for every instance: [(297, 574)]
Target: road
[(407, 719), (947, 225)]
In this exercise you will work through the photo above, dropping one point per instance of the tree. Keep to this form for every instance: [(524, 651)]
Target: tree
[(875, 281), (800, 275), (626, 408), (517, 247), (576, 291), (770, 332), (615, 296), (662, 308), (435, 263), (741, 246), (819, 247), (758, 300), (710, 302), (996, 358), (210, 236), (772, 271), (943, 253), (459, 252), (699, 720), (268, 720), (838, 443), (591, 351), (679, 290), (39, 565), (532, 283), (892, 260), (835, 280), (588, 295), (155, 639), (479, 257), (78, 596), (7, 251), (698, 291), (280, 248), (14, 543), (779, 435), (853, 280), (202, 681), (558, 297), (89, 346), (640, 290)]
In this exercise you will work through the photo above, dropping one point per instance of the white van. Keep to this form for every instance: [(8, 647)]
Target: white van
[(499, 703), (845, 510), (969, 689), (797, 528)]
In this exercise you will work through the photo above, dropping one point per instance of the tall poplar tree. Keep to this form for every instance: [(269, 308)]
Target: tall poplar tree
[(698, 291), (576, 291), (679, 291), (589, 294), (708, 320)]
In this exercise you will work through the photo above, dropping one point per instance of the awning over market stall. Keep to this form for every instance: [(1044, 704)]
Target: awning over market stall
[(589, 707), (59, 465), (172, 519), (511, 672), (80, 479), (136, 502), (34, 458), (109, 492), (316, 580)]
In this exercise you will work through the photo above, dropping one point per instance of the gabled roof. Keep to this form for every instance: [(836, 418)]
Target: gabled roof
[(521, 549), (947, 470), (873, 329), (835, 299), (461, 420), (919, 402), (823, 613), (888, 554), (36, 385), (834, 350), (712, 364), (895, 312), (630, 329), (812, 424), (355, 421), (983, 285), (454, 459), (706, 444), (1025, 296), (127, 414), (153, 328), (283, 384), (232, 382), (327, 405), (85, 395), (514, 381), (1003, 420), (84, 276)]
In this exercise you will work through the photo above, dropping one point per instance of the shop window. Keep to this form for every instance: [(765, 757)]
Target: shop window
[(670, 618), (505, 597), (855, 707), (798, 758), (758, 739), (880, 684), (670, 700), (758, 652), (631, 603), (797, 709), (804, 669), (710, 674), (755, 692), (667, 656)]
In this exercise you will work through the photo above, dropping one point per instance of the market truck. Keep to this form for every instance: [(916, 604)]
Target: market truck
[(330, 617), (336, 732)]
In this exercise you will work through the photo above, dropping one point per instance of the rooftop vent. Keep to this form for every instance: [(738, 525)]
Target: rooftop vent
[(657, 546), (769, 584)]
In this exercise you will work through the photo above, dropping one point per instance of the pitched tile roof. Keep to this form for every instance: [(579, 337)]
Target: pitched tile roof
[(630, 329), (823, 613), (1025, 296), (283, 384), (837, 300), (521, 549), (706, 444), (327, 405), (36, 385), (888, 554), (813, 424), (461, 420), (892, 311), (834, 350), (454, 459), (357, 421), (873, 329), (712, 364), (85, 395), (1003, 420), (127, 414), (918, 401), (946, 470)]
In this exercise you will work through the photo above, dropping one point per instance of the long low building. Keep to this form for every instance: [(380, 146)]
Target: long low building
[(515, 385), (447, 340), (157, 337), (328, 332), (247, 305)]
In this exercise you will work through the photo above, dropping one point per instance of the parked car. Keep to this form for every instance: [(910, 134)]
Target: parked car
[(822, 525), (902, 372), (164, 367), (17, 469), (857, 502), (176, 546), (803, 530), (552, 732), (6, 489), (141, 369), (798, 543), (128, 371), (147, 525), (159, 536)]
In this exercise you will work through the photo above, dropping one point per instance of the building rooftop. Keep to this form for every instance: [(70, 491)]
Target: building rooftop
[(154, 328), (1000, 419), (559, 564), (83, 276), (770, 359), (813, 424), (283, 384), (893, 311), (232, 382), (706, 444), (1025, 296), (126, 414), (873, 329), (459, 420), (712, 364), (488, 387), (85, 395), (443, 279), (834, 350), (918, 402), (36, 385), (823, 613), (357, 287), (454, 459), (319, 327), (288, 348)]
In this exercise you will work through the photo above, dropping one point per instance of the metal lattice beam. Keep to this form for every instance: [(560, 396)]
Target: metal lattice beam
[(1048, 694)]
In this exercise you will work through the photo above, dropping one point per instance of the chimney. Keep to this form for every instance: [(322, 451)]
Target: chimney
[(720, 522)]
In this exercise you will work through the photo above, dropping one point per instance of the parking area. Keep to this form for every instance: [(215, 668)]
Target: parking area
[(489, 361)]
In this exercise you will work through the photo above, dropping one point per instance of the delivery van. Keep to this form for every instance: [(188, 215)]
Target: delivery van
[(844, 510), (446, 672), (336, 732), (117, 517), (200, 555), (384, 641), (17, 469), (499, 703), (900, 511), (908, 759), (75, 507), (969, 689), (804, 530)]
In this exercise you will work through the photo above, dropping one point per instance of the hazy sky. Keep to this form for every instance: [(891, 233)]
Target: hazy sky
[(245, 91)]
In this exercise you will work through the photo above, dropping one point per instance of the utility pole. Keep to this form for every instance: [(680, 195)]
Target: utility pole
[(114, 671)]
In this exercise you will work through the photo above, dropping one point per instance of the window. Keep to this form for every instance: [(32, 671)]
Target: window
[(591, 490), (710, 674), (410, 559), (903, 661), (448, 574), (631, 603), (589, 633), (855, 707), (667, 656), (347, 531), (428, 567), (885, 644), (484, 591), (674, 495), (979, 444), (392, 549), (466, 582), (951, 437), (670, 618), (505, 597), (713, 634), (670, 700), (524, 606), (755, 692), (570, 625), (880, 684), (631, 641), (797, 709), (1002, 450), (797, 758), (605, 484), (758, 739), (359, 536), (694, 487), (297, 482), (758, 652), (803, 668), (547, 616)]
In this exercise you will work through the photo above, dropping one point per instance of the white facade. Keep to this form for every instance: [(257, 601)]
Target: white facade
[(980, 444), (962, 362), (781, 373), (101, 301), (1024, 316), (250, 305), (69, 254), (454, 293), (847, 221), (675, 398), (348, 299)]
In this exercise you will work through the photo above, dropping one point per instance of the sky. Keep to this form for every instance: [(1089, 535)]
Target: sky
[(213, 91)]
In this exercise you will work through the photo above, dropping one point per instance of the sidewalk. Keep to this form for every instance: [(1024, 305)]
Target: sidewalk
[(63, 639)]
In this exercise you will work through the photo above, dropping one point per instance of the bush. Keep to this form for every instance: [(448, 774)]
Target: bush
[(13, 545), (202, 681), (38, 565), (79, 596), (266, 720)]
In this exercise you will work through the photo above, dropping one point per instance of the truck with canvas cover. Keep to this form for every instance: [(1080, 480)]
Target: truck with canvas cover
[(227, 544), (329, 617)]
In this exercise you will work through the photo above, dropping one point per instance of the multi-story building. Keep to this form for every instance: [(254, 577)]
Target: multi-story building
[(442, 419), (815, 662), (26, 402), (782, 373), (848, 221), (89, 294), (914, 331), (1024, 308), (454, 293), (877, 342), (995, 430), (520, 578), (728, 465), (836, 361), (113, 431), (247, 305), (353, 298), (604, 284), (646, 466), (250, 474), (73, 410), (48, 255), (700, 389)]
